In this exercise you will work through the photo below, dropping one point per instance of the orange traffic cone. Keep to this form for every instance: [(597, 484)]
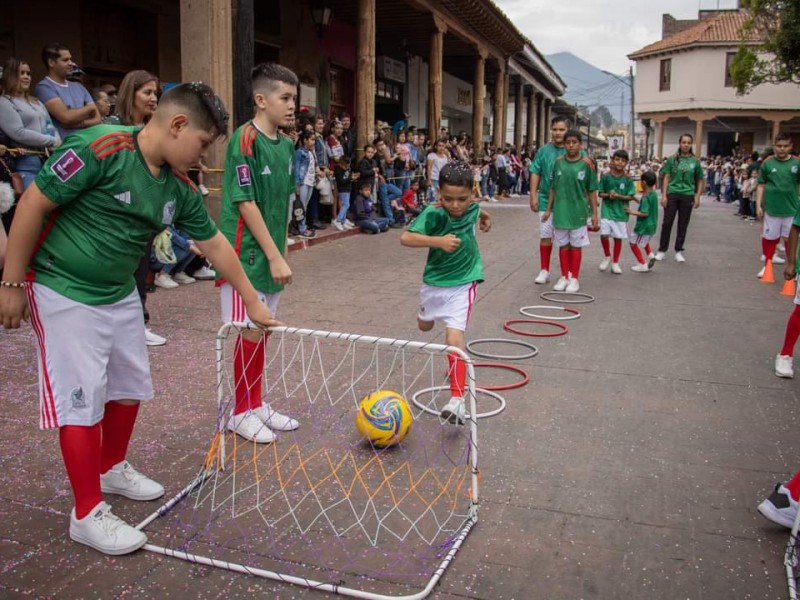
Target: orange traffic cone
[(789, 288), (768, 276)]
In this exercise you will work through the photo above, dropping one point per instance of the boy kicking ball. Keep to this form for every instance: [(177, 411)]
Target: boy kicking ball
[(616, 190), (646, 224), (103, 194), (453, 269)]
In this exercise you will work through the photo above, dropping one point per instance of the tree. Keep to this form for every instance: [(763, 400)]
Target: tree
[(603, 116), (769, 50)]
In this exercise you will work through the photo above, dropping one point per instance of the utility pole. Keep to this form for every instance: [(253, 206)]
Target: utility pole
[(633, 113)]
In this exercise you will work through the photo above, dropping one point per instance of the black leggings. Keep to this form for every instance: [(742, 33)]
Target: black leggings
[(682, 205)]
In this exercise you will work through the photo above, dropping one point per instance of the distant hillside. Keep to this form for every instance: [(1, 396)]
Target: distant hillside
[(589, 86)]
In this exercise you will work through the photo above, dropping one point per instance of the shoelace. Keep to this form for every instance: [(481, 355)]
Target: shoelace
[(130, 473), (108, 521)]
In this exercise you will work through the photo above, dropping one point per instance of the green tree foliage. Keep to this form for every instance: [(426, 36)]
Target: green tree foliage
[(603, 116), (769, 51)]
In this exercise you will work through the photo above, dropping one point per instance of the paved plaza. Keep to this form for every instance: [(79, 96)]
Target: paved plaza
[(630, 467)]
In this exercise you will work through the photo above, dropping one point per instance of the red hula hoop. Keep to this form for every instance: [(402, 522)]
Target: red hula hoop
[(506, 386), (562, 328)]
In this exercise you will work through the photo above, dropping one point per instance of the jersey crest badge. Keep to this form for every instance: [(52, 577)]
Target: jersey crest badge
[(266, 170), (794, 169), (169, 213), (243, 173), (66, 166), (76, 398), (581, 175)]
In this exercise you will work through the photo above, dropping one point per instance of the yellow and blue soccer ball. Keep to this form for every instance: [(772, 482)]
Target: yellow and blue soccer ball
[(383, 418)]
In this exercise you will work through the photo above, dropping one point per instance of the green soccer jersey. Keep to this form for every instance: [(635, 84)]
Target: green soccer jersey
[(684, 173), (257, 169), (796, 223), (449, 269), (781, 179), (110, 205), (542, 165), (623, 186), (572, 180), (649, 205)]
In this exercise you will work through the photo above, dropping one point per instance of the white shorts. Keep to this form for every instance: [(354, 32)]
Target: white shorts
[(577, 238), (616, 229), (640, 240), (450, 305), (233, 310), (545, 227), (776, 227), (88, 355)]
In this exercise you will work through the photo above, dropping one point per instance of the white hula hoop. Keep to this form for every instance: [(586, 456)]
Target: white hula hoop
[(439, 388), (585, 298), (573, 314), (533, 349)]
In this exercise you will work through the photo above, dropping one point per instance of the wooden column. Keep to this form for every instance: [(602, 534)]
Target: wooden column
[(548, 114), (478, 89), (531, 124), (518, 100), (243, 48), (698, 137), (660, 139), (542, 135), (776, 129), (365, 75), (498, 123), (435, 77)]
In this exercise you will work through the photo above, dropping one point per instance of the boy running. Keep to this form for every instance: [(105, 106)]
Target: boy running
[(103, 194), (255, 206), (617, 190), (453, 269), (646, 223), (574, 185)]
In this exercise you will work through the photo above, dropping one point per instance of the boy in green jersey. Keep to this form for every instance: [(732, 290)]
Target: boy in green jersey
[(646, 223), (574, 185), (453, 269), (79, 231), (776, 197), (616, 190), (254, 217)]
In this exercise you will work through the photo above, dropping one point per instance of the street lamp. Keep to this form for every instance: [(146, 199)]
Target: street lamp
[(629, 83)]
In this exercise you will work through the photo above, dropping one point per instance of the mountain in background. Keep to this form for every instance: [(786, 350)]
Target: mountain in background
[(589, 86)]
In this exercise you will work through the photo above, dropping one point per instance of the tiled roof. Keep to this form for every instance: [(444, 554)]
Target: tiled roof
[(719, 29)]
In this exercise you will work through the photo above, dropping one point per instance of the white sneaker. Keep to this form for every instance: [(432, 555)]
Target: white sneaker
[(763, 258), (104, 531), (679, 257), (152, 339), (783, 366), (659, 256), (454, 411), (290, 242), (651, 256), (250, 427), (126, 481), (183, 279), (349, 223), (338, 225), (573, 286), (542, 277), (561, 284), (640, 268), (616, 269), (604, 263), (163, 280), (778, 260), (275, 420), (202, 189), (761, 272), (781, 248), (204, 273)]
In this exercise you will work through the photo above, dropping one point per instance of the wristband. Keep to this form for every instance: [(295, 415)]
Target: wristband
[(13, 284)]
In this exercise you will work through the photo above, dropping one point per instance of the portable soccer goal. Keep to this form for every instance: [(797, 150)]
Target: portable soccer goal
[(321, 507), (791, 559)]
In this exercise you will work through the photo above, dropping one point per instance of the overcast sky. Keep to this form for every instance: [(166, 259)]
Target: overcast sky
[(601, 32)]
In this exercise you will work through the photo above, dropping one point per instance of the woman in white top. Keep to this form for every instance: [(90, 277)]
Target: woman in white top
[(436, 160)]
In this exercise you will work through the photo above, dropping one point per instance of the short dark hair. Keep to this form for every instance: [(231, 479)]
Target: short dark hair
[(202, 105), (456, 173), (51, 52), (265, 76), (782, 137), (621, 154), (367, 146), (574, 133), (366, 184), (649, 178), (306, 135), (559, 119)]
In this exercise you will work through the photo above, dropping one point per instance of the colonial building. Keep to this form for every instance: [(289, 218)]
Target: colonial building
[(683, 85)]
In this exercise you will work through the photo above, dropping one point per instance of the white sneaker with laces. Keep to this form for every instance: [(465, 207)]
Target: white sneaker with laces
[(126, 481), (573, 286), (761, 272), (290, 242), (275, 420), (542, 277), (454, 411), (204, 273), (338, 225), (561, 284), (651, 256), (640, 268), (250, 427), (163, 280), (153, 339), (604, 263), (202, 189), (659, 256), (106, 532), (778, 260), (349, 223), (679, 257), (784, 367), (182, 278), (616, 269)]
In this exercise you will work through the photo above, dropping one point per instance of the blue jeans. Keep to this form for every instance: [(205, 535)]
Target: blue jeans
[(184, 258), (374, 225), (386, 193), (306, 191), (344, 202), (405, 179), (433, 191), (28, 165)]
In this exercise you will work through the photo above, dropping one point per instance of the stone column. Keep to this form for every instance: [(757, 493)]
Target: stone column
[(660, 126), (698, 137), (542, 135), (435, 77), (478, 88), (531, 124), (365, 75), (498, 123), (518, 100)]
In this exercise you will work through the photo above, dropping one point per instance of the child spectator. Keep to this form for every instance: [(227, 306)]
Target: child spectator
[(365, 216), (749, 188), (616, 189), (182, 253), (453, 270), (305, 176), (344, 183), (435, 161), (410, 200), (646, 223), (574, 185)]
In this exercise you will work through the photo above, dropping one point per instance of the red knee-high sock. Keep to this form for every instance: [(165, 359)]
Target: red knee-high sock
[(648, 249), (617, 250), (563, 259), (606, 246), (545, 250), (256, 373), (117, 426), (80, 448), (457, 374), (794, 486), (637, 252), (576, 255), (792, 332), (248, 366), (768, 247)]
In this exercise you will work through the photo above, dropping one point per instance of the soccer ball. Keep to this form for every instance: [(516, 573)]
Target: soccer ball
[(383, 418)]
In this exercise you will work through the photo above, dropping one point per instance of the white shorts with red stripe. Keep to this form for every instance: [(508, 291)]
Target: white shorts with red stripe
[(233, 310), (88, 355), (577, 238), (640, 239), (450, 305), (776, 227)]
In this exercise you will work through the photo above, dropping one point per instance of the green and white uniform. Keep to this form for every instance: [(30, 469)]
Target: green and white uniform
[(780, 200), (645, 227), (613, 218)]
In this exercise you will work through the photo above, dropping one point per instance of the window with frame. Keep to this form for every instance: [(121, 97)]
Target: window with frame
[(665, 75), (729, 56)]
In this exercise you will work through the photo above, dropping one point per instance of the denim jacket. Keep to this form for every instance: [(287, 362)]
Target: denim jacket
[(302, 160)]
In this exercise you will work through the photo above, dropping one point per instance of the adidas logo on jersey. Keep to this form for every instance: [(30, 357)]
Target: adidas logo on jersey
[(124, 197), (266, 170)]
